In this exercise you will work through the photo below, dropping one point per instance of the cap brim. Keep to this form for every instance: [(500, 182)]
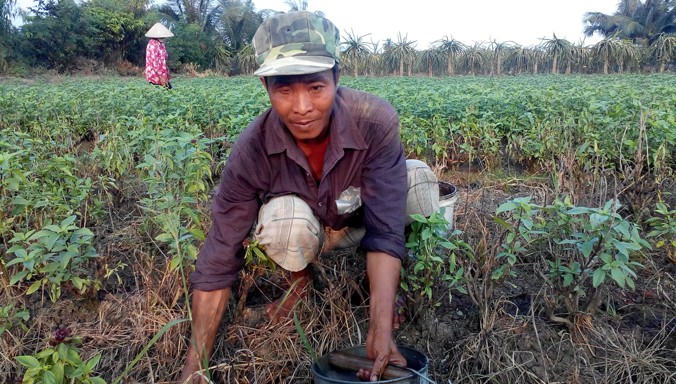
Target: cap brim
[(296, 65)]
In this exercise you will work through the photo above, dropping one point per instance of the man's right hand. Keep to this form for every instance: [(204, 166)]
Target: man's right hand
[(207, 311)]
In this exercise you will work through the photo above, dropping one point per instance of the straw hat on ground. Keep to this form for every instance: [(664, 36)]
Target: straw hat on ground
[(159, 31)]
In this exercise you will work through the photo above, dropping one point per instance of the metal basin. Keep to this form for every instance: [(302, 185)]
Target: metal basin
[(325, 373)]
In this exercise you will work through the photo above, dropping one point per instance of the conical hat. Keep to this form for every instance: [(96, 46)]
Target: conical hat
[(159, 31)]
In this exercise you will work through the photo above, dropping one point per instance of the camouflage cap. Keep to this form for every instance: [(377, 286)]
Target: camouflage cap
[(296, 43)]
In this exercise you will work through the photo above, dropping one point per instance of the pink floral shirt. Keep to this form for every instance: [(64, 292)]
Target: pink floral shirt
[(156, 62)]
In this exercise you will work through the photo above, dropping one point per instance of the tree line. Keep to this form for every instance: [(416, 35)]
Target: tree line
[(215, 35)]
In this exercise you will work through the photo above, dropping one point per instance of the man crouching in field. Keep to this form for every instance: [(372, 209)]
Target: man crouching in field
[(324, 167)]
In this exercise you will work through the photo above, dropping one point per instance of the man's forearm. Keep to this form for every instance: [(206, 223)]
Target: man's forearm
[(207, 311), (383, 272)]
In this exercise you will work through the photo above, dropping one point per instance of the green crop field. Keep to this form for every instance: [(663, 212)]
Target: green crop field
[(105, 188)]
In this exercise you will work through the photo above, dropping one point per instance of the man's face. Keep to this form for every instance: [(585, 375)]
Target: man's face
[(304, 102)]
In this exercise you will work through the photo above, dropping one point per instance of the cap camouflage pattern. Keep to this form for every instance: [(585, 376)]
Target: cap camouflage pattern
[(296, 43)]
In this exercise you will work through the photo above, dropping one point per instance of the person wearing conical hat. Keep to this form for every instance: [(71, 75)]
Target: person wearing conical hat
[(157, 72)]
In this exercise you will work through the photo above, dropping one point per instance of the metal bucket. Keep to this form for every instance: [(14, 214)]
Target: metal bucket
[(325, 373), (448, 195)]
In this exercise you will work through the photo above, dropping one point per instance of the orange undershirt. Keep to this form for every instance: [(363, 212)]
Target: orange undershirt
[(314, 151)]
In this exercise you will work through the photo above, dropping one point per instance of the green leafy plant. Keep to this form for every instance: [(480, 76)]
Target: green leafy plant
[(429, 249), (52, 257), (581, 249), (60, 362), (663, 229), (10, 317)]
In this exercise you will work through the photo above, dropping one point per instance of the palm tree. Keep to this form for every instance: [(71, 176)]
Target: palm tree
[(557, 49), (627, 53), (607, 51), (499, 50), (516, 59), (355, 51), (663, 50), (579, 56), (246, 59), (535, 56), (431, 60), (640, 21), (453, 48), (402, 52), (199, 12), (474, 59), (238, 22), (296, 5), (374, 61)]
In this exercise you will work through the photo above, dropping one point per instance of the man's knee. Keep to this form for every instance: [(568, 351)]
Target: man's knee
[(423, 190), (289, 231)]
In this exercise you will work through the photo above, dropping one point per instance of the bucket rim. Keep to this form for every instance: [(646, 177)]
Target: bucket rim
[(452, 188), (406, 351)]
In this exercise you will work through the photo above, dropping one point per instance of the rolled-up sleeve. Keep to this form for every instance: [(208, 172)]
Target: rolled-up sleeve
[(233, 211)]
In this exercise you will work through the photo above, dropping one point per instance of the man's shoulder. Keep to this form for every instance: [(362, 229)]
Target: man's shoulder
[(364, 103)]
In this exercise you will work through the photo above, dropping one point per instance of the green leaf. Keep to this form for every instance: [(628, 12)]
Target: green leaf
[(587, 247), (508, 206), (28, 361), (52, 228), (14, 261), (49, 378), (502, 222), (91, 364), (619, 276), (77, 282), (578, 211), (84, 232), (34, 287), (164, 238), (567, 279), (598, 277), (57, 370), (198, 233), (18, 277), (624, 247), (97, 380), (174, 263)]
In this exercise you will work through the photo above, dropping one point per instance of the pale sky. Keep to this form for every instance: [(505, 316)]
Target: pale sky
[(524, 22)]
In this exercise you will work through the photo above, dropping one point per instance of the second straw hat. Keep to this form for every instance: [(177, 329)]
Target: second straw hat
[(158, 31)]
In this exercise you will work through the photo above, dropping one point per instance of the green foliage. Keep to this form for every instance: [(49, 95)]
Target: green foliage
[(7, 33), (60, 363), (581, 248), (176, 171), (10, 317), (190, 44), (255, 254), (55, 35), (432, 262), (52, 257), (663, 229), (113, 33)]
